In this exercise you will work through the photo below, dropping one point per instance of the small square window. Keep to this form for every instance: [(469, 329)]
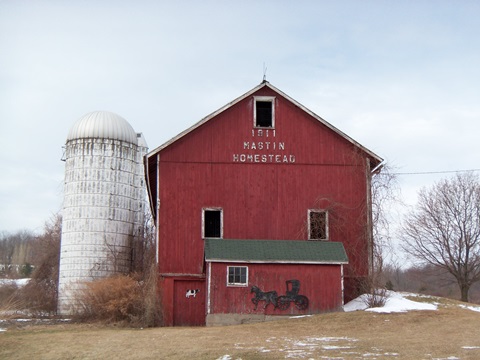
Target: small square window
[(264, 112), (317, 225), (237, 275), (212, 223)]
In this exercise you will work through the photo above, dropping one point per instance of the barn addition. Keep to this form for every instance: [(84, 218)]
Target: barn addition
[(262, 209)]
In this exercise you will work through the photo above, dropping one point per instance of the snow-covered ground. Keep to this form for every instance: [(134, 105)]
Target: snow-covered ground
[(395, 302), (17, 282), (301, 348)]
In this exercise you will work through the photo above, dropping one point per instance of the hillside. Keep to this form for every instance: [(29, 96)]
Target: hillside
[(448, 330)]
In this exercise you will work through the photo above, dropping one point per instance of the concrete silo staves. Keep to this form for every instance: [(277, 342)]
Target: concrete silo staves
[(104, 202)]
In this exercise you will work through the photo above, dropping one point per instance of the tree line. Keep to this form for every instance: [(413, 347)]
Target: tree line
[(19, 252)]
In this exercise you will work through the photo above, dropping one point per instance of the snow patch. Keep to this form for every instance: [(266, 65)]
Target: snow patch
[(395, 302), (332, 339), (335, 347), (473, 308), (16, 282)]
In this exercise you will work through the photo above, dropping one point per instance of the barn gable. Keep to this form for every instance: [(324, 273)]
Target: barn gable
[(204, 137), (266, 84)]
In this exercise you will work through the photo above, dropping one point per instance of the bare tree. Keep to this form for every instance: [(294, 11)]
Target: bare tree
[(374, 243), (40, 294), (385, 193), (132, 294), (444, 229), (385, 196)]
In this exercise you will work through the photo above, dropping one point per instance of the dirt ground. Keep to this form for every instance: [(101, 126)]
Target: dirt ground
[(450, 332)]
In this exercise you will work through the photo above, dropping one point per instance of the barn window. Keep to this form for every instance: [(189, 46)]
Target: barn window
[(317, 225), (237, 275), (264, 112), (212, 223)]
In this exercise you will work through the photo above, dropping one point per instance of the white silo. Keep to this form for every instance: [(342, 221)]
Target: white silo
[(104, 202)]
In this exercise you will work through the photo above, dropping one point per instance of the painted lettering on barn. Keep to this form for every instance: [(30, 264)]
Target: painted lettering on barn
[(265, 145)]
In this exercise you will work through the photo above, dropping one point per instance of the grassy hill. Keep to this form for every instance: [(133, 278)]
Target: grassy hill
[(452, 331)]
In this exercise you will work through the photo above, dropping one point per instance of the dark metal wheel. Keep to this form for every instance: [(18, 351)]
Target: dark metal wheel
[(283, 302), (301, 302)]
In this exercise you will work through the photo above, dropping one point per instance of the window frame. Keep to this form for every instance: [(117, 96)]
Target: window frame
[(203, 221), (263, 99), (310, 211), (237, 284)]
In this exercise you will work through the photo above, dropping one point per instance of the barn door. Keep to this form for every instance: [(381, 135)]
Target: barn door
[(189, 303)]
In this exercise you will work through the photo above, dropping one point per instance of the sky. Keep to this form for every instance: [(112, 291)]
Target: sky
[(400, 77)]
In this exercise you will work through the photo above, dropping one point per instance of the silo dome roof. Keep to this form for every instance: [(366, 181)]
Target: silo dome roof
[(103, 125)]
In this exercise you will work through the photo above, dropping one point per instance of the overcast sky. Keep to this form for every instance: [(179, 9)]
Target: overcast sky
[(400, 77)]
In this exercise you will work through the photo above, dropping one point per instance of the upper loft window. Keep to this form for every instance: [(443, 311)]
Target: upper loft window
[(212, 223), (264, 112), (317, 225)]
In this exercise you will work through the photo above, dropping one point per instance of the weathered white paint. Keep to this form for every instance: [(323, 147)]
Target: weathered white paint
[(104, 202), (209, 289), (343, 286)]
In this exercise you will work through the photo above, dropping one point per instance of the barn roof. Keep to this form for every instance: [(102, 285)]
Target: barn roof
[(275, 251)]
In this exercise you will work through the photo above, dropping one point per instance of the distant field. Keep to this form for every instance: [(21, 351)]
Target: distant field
[(451, 332)]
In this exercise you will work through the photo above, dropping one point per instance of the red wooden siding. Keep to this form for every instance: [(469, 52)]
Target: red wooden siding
[(265, 181), (189, 311), (177, 309), (259, 200), (321, 284)]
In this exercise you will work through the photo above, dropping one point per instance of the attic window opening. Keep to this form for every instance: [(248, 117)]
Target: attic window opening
[(212, 223), (264, 112), (317, 225)]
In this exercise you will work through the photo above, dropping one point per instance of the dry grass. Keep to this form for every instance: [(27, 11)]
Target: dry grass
[(448, 332)]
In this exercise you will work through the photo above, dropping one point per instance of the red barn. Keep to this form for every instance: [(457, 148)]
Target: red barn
[(262, 209)]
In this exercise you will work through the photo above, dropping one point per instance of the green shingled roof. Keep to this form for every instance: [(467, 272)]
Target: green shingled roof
[(298, 251)]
